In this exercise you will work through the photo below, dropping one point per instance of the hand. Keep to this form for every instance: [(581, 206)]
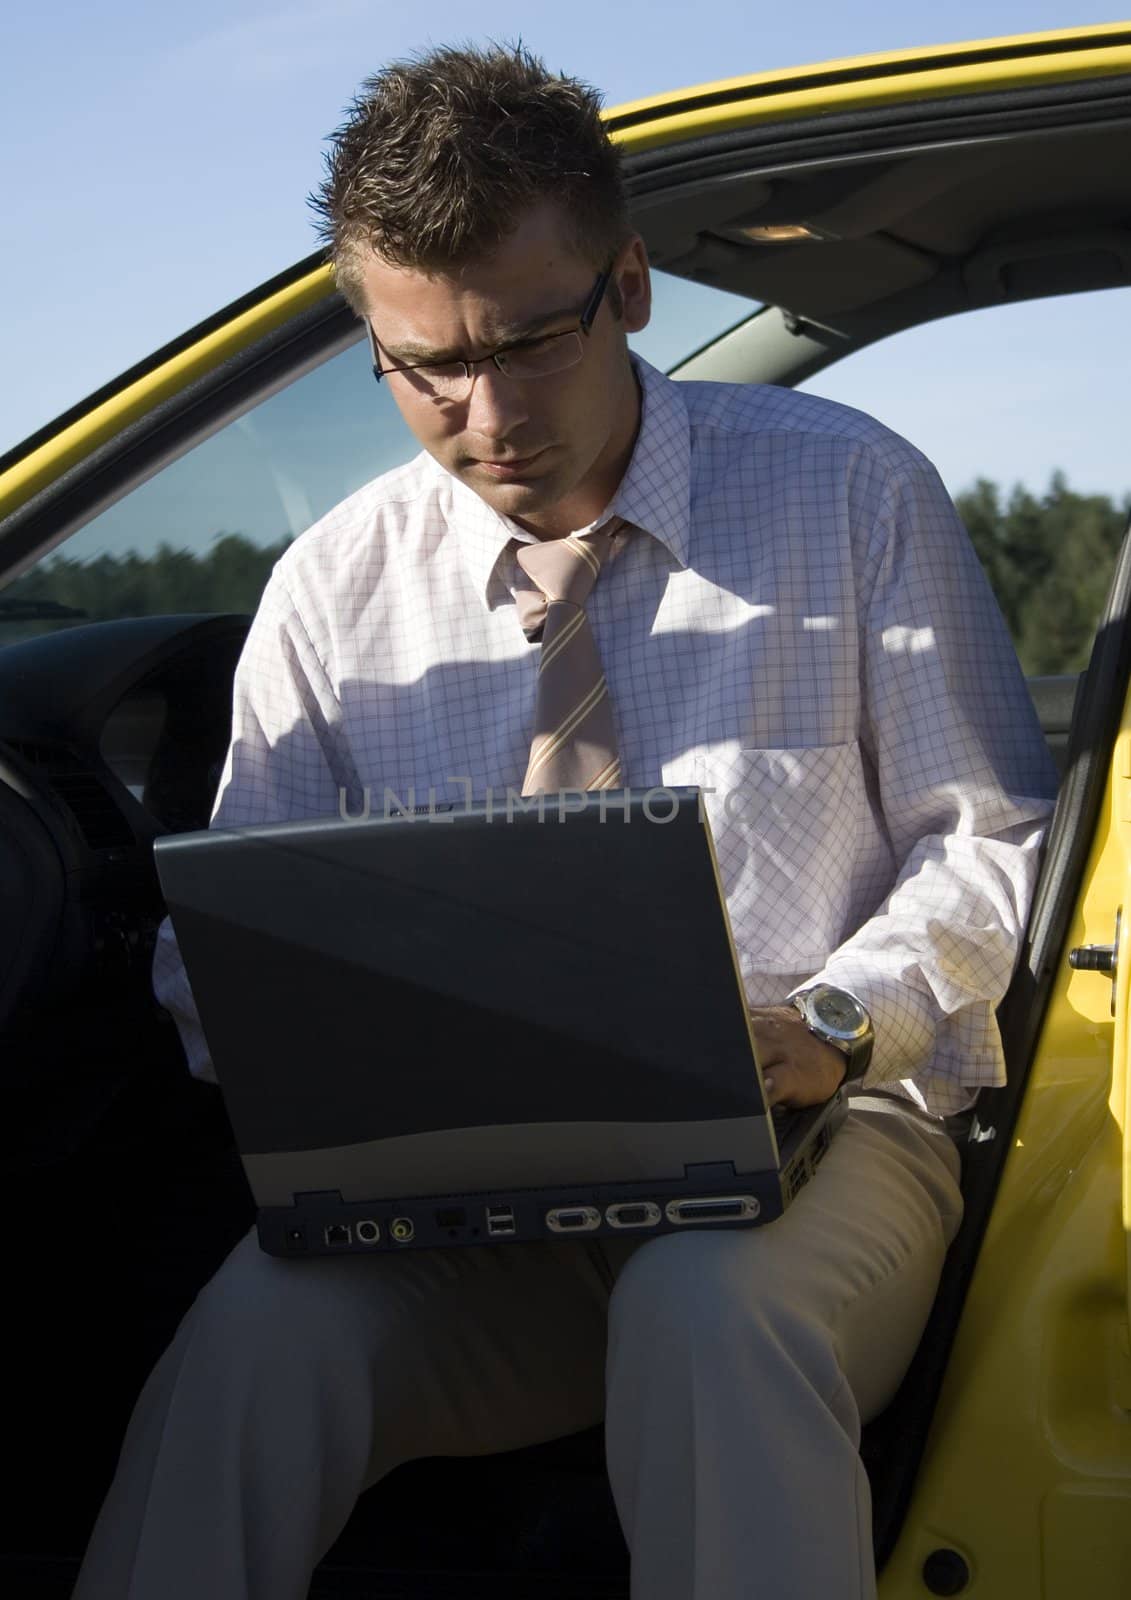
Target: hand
[(798, 1069)]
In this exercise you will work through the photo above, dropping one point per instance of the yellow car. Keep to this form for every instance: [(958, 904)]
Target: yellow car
[(815, 213)]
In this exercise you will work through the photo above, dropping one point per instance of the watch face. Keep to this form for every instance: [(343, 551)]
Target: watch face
[(841, 1013)]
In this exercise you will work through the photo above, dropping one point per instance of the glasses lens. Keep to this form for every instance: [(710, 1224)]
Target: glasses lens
[(449, 379), (540, 359)]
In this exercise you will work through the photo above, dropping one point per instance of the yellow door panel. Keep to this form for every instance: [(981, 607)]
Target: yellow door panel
[(1027, 1471), (1085, 1545)]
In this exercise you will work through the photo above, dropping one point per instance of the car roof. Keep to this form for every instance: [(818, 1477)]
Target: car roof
[(892, 77)]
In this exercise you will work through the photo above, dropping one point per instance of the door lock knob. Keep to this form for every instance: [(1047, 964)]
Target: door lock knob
[(1100, 957)]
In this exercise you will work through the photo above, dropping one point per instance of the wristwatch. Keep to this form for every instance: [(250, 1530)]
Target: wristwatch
[(837, 1017)]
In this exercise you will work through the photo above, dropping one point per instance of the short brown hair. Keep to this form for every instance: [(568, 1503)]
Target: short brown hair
[(442, 155)]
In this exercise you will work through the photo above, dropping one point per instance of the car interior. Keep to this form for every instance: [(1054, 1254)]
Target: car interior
[(123, 1192)]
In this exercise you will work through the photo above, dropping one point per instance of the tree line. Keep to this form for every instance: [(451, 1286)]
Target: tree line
[(228, 576), (1049, 558)]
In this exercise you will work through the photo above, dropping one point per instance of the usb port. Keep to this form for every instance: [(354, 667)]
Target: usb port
[(500, 1221)]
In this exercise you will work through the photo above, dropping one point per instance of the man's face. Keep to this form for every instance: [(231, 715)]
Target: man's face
[(548, 451)]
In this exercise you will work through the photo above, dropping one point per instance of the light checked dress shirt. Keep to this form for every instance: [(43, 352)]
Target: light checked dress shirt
[(796, 623)]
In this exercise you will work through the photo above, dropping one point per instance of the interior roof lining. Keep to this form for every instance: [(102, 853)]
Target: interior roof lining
[(686, 234), (1001, 112)]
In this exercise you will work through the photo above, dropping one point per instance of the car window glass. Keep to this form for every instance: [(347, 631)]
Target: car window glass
[(204, 532), (686, 315), (1023, 410)]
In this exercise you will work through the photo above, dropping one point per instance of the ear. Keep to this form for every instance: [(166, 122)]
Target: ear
[(635, 285)]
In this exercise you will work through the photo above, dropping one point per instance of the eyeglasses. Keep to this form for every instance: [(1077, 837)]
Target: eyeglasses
[(527, 358)]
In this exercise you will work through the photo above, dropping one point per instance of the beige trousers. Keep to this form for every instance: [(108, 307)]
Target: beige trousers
[(733, 1369)]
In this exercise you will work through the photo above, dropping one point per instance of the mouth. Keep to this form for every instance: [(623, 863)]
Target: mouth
[(513, 467)]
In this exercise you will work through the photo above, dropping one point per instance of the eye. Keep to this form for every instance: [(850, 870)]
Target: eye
[(442, 371), (531, 346)]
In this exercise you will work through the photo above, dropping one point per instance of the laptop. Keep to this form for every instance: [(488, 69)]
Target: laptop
[(478, 1026)]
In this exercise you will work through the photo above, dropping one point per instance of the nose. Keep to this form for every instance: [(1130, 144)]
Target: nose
[(496, 406)]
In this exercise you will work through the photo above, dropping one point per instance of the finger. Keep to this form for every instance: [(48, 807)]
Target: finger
[(795, 1085), (775, 1075), (777, 1082)]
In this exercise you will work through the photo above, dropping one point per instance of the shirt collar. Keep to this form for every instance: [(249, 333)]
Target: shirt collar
[(654, 494), (482, 537)]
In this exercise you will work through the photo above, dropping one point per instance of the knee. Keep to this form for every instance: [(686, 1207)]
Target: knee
[(262, 1307), (711, 1293), (675, 1284)]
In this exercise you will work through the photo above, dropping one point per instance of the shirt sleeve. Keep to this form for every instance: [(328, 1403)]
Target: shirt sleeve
[(963, 785), (287, 760)]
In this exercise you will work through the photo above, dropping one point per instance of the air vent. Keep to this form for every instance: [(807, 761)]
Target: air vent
[(100, 822)]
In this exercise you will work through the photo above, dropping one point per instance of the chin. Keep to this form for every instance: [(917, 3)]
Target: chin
[(522, 499)]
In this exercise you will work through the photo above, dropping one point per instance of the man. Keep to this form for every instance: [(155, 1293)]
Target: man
[(783, 609)]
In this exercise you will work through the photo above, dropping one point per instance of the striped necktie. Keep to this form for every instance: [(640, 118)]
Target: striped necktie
[(574, 744)]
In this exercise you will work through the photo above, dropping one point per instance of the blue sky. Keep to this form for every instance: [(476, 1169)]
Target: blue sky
[(155, 162)]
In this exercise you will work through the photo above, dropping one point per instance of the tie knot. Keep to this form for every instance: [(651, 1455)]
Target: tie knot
[(563, 569)]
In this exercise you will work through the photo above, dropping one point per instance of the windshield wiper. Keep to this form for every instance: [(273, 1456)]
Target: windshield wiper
[(37, 611)]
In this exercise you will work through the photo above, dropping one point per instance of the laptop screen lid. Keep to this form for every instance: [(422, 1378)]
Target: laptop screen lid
[(462, 987)]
